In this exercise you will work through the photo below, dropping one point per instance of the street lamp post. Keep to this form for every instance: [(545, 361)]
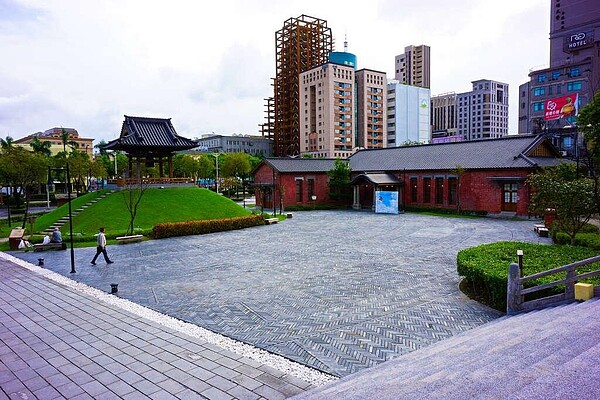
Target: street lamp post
[(114, 154), (216, 156), (70, 210), (9, 190)]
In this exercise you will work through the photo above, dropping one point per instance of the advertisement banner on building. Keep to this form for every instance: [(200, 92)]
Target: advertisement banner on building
[(561, 107), (386, 202)]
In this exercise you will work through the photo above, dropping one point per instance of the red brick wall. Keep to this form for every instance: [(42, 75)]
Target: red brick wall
[(477, 191), (264, 174)]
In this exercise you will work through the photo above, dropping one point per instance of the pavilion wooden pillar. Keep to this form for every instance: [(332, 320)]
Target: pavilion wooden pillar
[(170, 165), (138, 167), (160, 166), (129, 165)]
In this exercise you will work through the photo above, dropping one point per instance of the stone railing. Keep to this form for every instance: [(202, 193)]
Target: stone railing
[(125, 182)]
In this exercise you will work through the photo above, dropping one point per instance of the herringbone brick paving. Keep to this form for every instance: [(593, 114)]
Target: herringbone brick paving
[(337, 291)]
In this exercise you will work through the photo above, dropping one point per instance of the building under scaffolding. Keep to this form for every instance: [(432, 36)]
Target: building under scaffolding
[(303, 43)]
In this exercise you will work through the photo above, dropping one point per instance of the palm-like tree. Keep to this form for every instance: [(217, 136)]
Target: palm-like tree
[(64, 136), (100, 146), (7, 143), (41, 147)]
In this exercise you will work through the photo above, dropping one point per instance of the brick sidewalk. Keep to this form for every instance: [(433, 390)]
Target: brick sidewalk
[(57, 342)]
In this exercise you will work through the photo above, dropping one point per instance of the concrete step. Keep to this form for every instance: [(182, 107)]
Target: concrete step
[(509, 355)]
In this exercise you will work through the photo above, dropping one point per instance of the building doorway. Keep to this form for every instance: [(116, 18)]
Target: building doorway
[(510, 196)]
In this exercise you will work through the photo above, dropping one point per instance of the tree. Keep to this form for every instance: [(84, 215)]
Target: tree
[(339, 180), (65, 139), (80, 168), (229, 184), (41, 147), (236, 165), (588, 122), (132, 196), (101, 146), (97, 169), (206, 166), (185, 166), (7, 143), (411, 143), (24, 171), (558, 188)]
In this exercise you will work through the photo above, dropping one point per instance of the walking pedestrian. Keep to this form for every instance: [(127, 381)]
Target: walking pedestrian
[(101, 248)]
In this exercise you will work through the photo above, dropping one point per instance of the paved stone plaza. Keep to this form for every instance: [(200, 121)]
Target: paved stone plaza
[(339, 291)]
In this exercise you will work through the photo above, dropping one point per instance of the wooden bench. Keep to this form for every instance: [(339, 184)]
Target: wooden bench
[(269, 221), (129, 239), (49, 246)]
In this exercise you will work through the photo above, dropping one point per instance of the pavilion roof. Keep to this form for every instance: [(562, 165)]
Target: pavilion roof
[(149, 135)]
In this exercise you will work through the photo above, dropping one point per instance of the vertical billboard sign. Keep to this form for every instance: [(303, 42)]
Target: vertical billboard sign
[(561, 107), (386, 202)]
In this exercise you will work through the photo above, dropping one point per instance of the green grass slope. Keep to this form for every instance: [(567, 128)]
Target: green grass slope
[(157, 205)]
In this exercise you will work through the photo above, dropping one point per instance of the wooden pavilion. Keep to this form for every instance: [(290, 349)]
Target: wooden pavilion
[(149, 141)]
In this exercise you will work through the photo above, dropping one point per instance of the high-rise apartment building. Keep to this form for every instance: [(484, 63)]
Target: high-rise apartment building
[(303, 43), (573, 75), (341, 109), (413, 67), (371, 109), (408, 114), (443, 118), (327, 111), (483, 112)]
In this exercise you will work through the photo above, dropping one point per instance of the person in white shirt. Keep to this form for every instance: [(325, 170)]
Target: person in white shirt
[(101, 248)]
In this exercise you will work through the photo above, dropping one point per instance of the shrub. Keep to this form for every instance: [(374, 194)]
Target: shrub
[(172, 229), (590, 240), (485, 267), (445, 211)]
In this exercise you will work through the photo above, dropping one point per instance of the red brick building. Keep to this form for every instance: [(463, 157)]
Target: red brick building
[(292, 181), (485, 176)]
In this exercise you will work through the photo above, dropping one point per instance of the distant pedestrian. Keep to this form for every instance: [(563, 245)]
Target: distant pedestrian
[(56, 236), (101, 248)]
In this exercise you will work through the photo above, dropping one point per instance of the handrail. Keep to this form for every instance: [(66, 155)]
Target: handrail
[(515, 291), (563, 268), (121, 182)]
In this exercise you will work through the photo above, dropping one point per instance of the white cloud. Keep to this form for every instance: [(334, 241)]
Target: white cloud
[(85, 64)]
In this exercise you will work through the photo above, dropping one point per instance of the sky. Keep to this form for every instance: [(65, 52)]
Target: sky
[(208, 66)]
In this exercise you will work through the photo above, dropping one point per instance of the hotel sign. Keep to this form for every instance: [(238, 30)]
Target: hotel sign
[(577, 40)]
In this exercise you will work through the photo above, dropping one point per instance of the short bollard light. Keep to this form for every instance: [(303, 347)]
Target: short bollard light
[(40, 262), (114, 288)]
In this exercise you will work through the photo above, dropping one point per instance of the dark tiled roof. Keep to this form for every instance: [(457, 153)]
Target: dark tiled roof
[(149, 133), (508, 152), (301, 164)]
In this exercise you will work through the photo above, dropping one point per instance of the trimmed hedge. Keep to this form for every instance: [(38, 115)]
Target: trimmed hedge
[(172, 229), (485, 267), (300, 207)]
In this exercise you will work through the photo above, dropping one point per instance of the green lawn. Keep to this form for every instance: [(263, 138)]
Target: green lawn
[(157, 205)]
